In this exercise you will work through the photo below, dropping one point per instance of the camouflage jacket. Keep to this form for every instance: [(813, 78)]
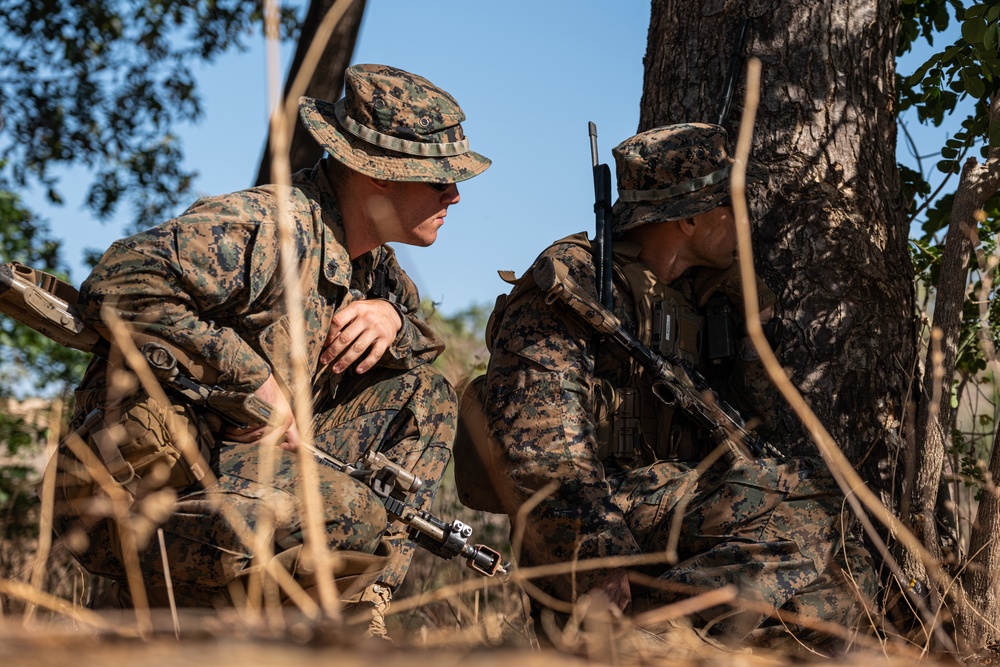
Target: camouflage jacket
[(541, 402), (210, 283)]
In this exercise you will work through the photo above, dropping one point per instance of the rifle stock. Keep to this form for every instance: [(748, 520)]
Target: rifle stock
[(45, 303)]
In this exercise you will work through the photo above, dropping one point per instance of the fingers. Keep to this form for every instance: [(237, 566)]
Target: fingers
[(363, 331), (615, 587), (281, 430), (291, 441)]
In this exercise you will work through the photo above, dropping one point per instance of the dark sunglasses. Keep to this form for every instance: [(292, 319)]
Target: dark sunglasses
[(440, 187)]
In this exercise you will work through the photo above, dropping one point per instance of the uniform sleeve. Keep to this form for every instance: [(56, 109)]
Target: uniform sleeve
[(185, 280), (539, 409), (415, 343)]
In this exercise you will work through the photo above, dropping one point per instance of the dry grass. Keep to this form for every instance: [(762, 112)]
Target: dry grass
[(444, 612)]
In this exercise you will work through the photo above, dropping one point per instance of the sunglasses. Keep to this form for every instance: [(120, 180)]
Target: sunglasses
[(440, 187)]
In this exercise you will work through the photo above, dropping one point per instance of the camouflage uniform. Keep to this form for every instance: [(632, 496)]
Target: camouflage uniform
[(210, 285), (771, 526)]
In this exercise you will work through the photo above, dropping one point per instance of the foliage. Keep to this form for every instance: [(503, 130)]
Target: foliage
[(102, 84), (17, 479), (27, 358), (968, 70), (465, 355), (960, 78)]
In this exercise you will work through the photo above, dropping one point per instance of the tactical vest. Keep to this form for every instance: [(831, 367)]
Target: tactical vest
[(634, 428)]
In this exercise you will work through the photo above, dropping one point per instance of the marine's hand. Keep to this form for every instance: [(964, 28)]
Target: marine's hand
[(361, 327), (615, 588), (281, 429)]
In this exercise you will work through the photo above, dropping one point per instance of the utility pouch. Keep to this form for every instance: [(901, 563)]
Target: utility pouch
[(720, 333), (473, 453), (676, 331), (141, 443)]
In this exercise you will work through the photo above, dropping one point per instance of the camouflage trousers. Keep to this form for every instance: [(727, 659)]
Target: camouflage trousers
[(210, 533), (410, 416), (774, 528)]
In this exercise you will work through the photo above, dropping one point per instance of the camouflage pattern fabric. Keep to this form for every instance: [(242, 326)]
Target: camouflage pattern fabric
[(690, 159), (394, 125), (206, 553), (772, 527), (209, 284), (408, 416)]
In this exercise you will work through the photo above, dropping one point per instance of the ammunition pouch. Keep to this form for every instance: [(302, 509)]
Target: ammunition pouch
[(473, 453), (145, 446)]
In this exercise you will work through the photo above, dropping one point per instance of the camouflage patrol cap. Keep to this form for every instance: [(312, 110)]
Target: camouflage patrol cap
[(394, 126), (670, 173)]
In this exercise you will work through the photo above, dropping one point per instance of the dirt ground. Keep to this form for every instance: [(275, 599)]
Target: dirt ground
[(225, 639), (73, 649)]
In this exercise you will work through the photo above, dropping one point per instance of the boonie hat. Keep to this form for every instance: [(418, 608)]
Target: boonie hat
[(670, 173), (394, 126)]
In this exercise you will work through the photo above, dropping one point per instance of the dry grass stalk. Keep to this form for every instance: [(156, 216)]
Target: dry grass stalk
[(48, 495), (313, 525), (237, 523), (38, 598)]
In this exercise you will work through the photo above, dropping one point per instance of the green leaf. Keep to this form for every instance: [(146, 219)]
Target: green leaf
[(949, 153), (974, 11), (950, 53), (975, 86), (973, 30), (993, 14), (947, 166), (990, 40)]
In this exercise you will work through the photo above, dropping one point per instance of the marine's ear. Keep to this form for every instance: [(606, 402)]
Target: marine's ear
[(687, 226)]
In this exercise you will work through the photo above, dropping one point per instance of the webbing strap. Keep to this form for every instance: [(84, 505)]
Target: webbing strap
[(389, 142)]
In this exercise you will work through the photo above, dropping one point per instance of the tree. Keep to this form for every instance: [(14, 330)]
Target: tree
[(100, 84), (831, 230), (327, 80)]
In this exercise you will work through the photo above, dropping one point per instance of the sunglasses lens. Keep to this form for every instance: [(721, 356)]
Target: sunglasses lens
[(440, 187)]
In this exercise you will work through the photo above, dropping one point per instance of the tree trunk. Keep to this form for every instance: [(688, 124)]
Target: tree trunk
[(830, 233), (978, 621), (934, 416), (326, 82)]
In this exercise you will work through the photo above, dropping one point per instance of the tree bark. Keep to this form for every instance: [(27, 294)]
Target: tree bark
[(326, 83), (934, 421), (830, 233), (979, 619)]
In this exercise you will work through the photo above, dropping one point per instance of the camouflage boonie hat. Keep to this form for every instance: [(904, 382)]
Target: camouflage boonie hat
[(671, 173), (394, 126)]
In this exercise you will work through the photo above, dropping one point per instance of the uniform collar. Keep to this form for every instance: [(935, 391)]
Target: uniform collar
[(336, 259)]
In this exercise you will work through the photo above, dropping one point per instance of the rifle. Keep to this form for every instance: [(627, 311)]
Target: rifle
[(392, 484), (603, 234), (46, 304), (673, 384), (733, 74)]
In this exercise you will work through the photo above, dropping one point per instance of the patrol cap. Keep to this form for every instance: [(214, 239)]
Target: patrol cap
[(670, 173), (394, 126)]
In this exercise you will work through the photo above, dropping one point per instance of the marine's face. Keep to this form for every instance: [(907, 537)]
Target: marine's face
[(414, 212), (714, 240)]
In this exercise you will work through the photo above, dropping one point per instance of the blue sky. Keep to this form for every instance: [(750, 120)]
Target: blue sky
[(528, 87)]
